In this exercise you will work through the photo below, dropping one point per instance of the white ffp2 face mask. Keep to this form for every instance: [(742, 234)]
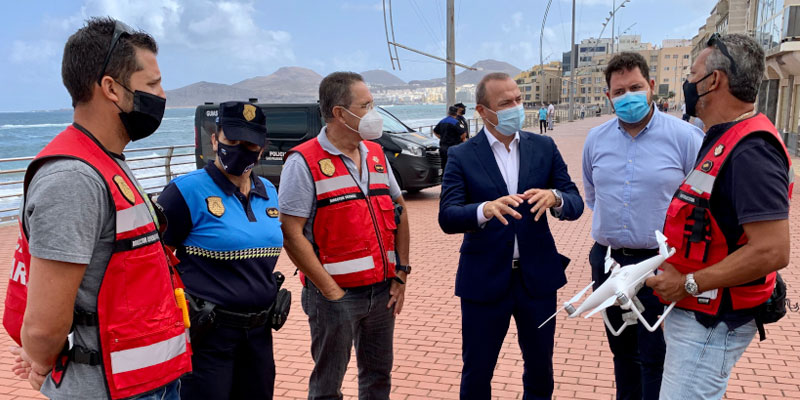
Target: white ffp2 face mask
[(370, 126)]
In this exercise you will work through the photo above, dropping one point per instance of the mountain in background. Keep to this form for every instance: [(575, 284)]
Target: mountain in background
[(379, 77), (286, 85), (301, 85)]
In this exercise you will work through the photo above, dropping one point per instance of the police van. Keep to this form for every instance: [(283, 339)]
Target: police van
[(414, 157)]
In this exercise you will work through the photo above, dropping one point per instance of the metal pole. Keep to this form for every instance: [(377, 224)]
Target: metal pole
[(451, 53), (613, 21), (572, 56), (433, 56)]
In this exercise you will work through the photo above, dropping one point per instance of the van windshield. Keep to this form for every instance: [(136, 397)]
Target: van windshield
[(391, 124)]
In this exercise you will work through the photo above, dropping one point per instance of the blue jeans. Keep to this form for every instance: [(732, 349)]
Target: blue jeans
[(699, 359), (638, 353), (172, 391), (359, 318)]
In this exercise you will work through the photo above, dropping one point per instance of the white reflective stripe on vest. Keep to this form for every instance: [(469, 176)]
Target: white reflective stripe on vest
[(350, 266), (700, 182), (791, 175), (147, 356), (378, 178), (390, 255), (134, 217), (331, 184)]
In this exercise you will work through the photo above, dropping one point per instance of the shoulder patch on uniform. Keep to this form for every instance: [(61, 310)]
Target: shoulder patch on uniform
[(215, 206), (379, 168), (272, 212), (123, 187), (375, 159), (326, 166), (707, 166), (718, 150)]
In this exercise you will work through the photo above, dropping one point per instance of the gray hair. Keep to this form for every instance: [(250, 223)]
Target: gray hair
[(480, 92), (334, 90), (750, 63)]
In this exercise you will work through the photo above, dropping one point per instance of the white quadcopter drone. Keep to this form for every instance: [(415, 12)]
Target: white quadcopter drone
[(620, 289)]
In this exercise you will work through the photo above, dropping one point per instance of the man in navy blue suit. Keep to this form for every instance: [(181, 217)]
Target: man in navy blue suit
[(508, 266)]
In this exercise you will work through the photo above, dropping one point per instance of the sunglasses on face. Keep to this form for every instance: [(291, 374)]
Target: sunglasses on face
[(120, 29)]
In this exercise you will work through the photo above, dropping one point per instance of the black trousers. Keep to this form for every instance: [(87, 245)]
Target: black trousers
[(638, 353), (443, 155), (542, 125), (231, 363), (483, 329)]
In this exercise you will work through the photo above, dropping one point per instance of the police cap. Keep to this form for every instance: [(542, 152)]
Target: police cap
[(243, 121)]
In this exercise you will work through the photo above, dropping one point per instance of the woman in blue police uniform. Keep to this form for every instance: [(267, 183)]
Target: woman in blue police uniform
[(223, 222)]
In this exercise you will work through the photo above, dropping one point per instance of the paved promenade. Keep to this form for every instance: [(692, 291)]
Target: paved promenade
[(428, 339)]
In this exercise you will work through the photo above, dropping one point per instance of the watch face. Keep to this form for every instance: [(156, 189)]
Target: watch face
[(691, 288)]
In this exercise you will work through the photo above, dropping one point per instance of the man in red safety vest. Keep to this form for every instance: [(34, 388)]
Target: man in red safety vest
[(90, 263), (337, 208), (728, 222)]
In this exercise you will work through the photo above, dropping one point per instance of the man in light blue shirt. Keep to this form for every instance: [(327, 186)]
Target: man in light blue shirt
[(632, 166), (542, 119)]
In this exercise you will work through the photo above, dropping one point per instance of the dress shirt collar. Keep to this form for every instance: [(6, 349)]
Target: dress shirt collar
[(656, 115), (492, 140)]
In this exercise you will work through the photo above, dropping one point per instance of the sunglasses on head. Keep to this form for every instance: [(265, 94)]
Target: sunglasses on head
[(120, 28), (716, 41)]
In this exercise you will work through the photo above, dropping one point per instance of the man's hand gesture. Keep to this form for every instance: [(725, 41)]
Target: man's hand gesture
[(503, 206)]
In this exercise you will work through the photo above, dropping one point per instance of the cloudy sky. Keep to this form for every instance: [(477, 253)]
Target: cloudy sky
[(228, 41)]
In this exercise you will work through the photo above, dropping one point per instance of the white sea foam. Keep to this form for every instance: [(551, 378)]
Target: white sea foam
[(15, 126)]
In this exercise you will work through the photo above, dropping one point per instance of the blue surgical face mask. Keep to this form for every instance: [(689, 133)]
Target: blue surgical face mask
[(509, 120), (631, 107)]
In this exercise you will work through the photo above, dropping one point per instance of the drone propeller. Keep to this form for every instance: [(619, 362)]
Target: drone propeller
[(607, 303), (568, 303), (580, 294)]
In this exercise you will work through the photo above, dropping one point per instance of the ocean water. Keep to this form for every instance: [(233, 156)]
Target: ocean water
[(23, 134)]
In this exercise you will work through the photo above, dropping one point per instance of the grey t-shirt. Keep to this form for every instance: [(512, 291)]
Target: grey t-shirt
[(296, 195), (68, 217)]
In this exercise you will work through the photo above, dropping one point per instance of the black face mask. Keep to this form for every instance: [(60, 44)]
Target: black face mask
[(691, 96), (236, 159), (145, 118)]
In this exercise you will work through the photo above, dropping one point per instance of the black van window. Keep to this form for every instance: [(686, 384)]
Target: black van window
[(390, 123), (283, 123)]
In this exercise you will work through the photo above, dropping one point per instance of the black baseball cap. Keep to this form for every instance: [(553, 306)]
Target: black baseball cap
[(243, 121), (460, 105)]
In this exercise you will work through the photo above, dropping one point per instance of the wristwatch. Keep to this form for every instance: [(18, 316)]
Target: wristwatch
[(690, 286), (559, 199), (404, 268)]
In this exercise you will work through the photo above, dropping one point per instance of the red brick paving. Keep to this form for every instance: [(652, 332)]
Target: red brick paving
[(428, 338)]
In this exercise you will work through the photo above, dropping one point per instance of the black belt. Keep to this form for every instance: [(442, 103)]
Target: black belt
[(241, 320), (515, 264), (634, 252), (630, 252)]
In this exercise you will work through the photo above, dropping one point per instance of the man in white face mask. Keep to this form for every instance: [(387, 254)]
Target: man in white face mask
[(336, 201), (508, 266)]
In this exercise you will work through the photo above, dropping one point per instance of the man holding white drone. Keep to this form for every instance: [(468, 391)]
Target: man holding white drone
[(632, 165)]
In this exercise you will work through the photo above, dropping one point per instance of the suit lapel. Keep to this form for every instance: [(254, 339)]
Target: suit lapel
[(526, 151), (485, 157)]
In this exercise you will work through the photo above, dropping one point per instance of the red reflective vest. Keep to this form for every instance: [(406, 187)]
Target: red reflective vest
[(691, 228), (354, 233), (143, 340)]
